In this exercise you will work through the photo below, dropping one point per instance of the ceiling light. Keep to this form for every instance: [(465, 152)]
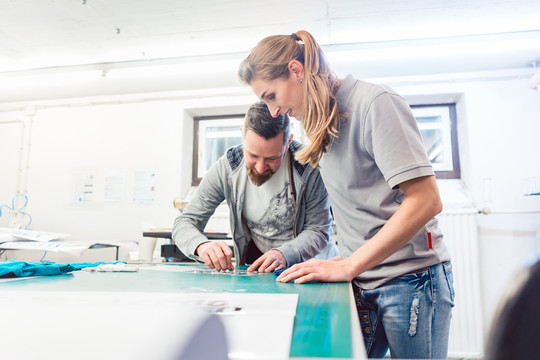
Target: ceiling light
[(437, 47), (174, 69), (35, 78)]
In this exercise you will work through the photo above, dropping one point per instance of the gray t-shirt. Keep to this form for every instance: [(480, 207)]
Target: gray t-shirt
[(379, 147), (269, 210)]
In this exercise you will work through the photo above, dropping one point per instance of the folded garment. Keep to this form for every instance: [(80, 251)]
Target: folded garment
[(14, 268)]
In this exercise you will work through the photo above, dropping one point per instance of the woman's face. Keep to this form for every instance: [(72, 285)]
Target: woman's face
[(282, 96)]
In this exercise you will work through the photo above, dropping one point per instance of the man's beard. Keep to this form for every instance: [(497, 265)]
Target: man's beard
[(259, 179)]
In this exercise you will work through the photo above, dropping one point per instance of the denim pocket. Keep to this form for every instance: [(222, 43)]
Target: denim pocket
[(447, 266)]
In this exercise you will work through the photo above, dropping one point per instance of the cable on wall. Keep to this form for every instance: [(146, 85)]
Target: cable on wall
[(21, 150), (20, 210)]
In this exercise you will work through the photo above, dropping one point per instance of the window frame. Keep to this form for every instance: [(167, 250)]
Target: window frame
[(455, 173), (195, 180)]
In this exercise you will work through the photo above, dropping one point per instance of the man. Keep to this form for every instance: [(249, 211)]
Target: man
[(279, 208)]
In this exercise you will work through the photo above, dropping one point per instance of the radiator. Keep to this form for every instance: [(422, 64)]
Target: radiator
[(461, 237)]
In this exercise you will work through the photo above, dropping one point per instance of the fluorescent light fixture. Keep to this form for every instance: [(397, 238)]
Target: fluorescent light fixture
[(174, 69), (36, 79), (422, 48)]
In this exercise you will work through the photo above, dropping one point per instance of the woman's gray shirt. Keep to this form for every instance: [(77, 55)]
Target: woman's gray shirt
[(379, 146)]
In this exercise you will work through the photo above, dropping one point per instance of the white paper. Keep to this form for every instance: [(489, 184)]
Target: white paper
[(115, 187), (101, 325), (144, 187), (8, 234), (76, 249), (84, 188), (15, 239), (108, 325)]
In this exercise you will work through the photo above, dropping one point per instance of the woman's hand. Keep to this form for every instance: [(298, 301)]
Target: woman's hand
[(333, 270)]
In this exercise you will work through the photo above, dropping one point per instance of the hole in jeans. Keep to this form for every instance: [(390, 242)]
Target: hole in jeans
[(413, 321)]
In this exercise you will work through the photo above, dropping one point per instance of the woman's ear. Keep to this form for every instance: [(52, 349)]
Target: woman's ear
[(296, 68)]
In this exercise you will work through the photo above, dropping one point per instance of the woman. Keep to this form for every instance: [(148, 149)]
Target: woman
[(382, 190)]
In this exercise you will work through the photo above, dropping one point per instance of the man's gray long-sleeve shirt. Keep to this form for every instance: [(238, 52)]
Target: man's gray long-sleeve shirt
[(226, 180)]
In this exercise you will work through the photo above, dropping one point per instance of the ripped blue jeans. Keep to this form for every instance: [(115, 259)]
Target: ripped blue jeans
[(409, 315)]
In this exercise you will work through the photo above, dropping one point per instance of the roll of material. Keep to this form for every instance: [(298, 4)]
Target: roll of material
[(179, 203)]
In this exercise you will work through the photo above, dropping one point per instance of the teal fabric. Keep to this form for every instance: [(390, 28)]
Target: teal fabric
[(14, 268)]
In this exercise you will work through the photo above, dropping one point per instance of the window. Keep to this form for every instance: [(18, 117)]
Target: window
[(437, 124), (212, 136)]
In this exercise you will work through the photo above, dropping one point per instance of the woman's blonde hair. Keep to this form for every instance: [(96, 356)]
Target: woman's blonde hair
[(320, 114)]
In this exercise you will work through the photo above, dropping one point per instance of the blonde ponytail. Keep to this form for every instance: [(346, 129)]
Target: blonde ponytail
[(320, 114), (319, 107)]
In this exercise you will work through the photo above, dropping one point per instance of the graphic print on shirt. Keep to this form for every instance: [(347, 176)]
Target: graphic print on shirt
[(277, 221)]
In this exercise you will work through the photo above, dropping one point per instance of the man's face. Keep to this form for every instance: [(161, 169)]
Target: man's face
[(263, 157)]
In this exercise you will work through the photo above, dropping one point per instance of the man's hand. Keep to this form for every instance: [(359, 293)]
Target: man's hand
[(216, 255), (269, 261)]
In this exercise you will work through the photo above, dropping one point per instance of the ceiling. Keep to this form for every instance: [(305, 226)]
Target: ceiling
[(43, 39)]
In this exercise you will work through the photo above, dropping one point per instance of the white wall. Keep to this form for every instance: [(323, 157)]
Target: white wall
[(498, 133), (67, 142), (102, 138)]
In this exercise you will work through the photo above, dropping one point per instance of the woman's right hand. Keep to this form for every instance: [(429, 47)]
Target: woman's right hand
[(317, 270)]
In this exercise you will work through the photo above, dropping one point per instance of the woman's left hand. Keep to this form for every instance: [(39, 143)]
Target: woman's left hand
[(333, 270)]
